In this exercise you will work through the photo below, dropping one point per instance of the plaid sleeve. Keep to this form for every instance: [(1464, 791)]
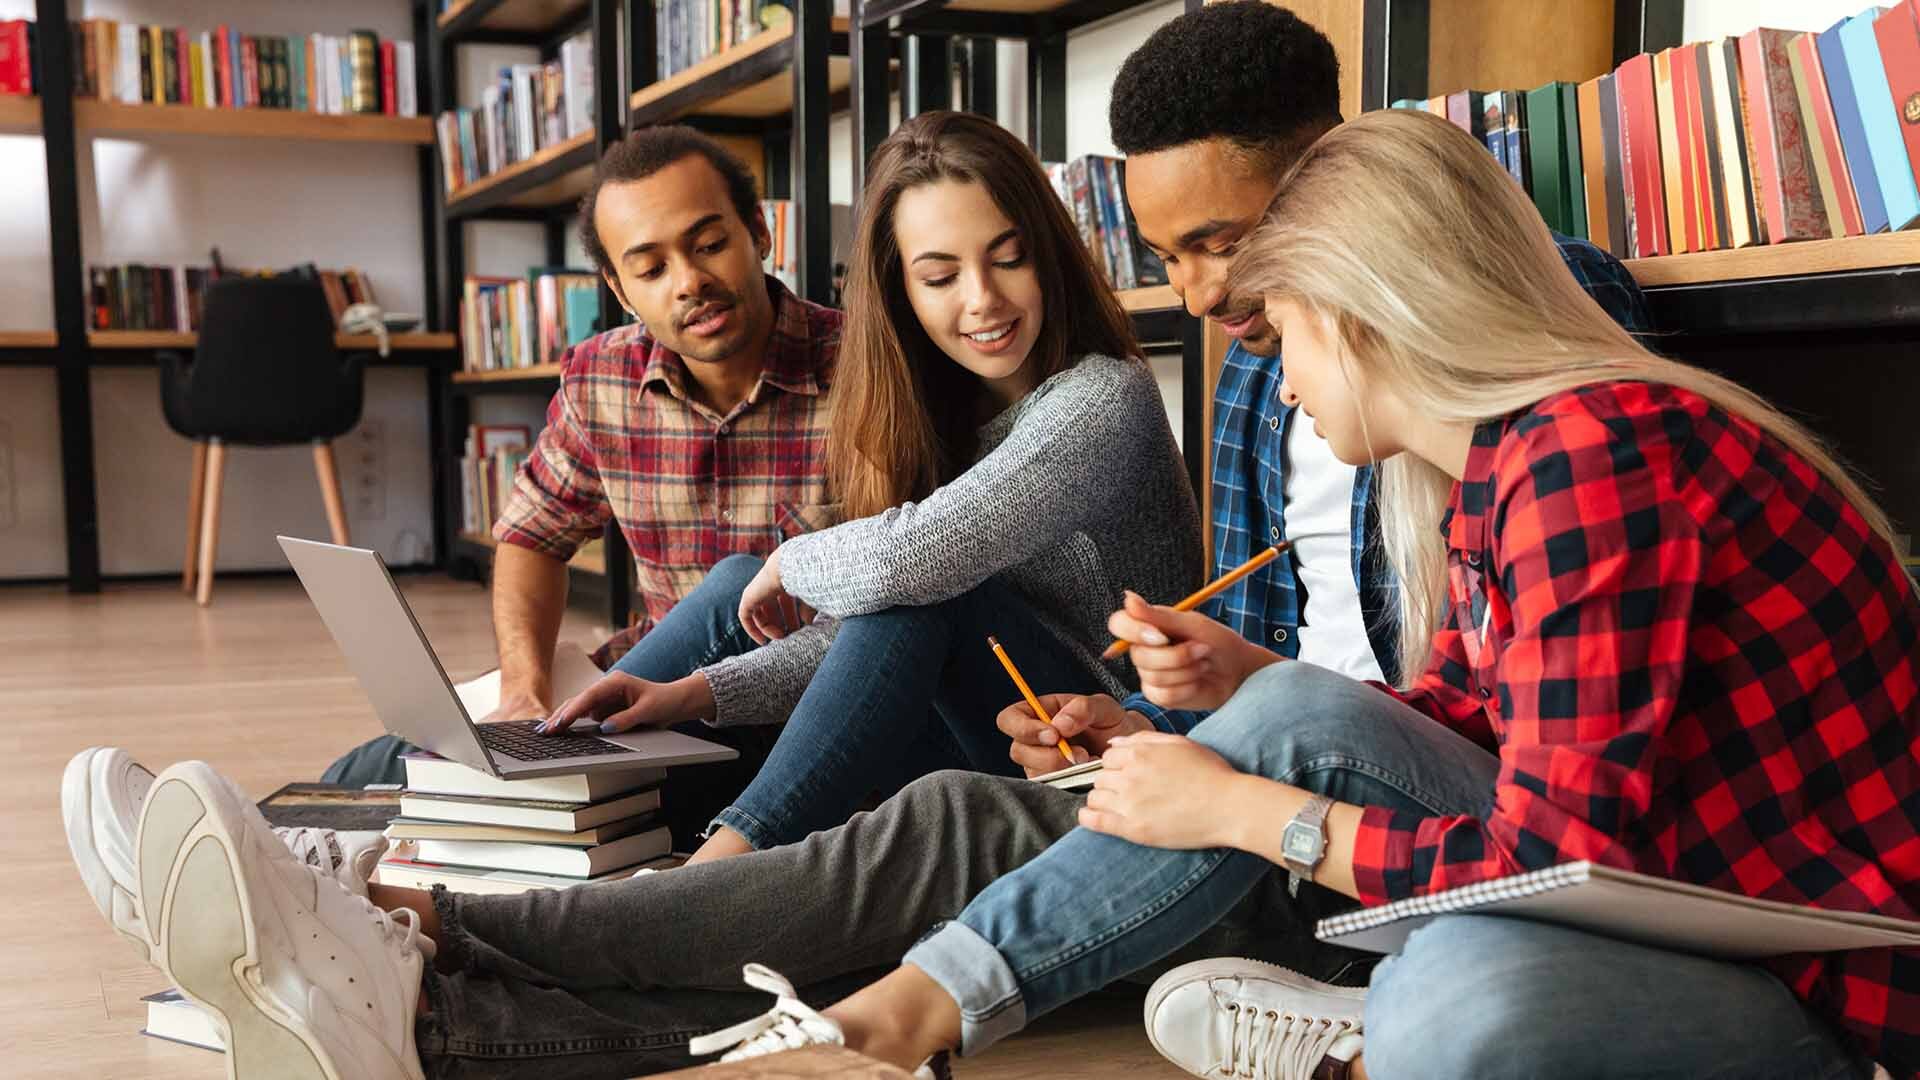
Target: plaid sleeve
[(557, 503), (1171, 721), (1597, 568)]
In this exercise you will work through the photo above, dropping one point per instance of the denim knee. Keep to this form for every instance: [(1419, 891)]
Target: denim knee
[(732, 573), (1287, 714), (1455, 1003)]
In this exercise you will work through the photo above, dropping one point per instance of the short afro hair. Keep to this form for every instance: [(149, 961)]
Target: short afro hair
[(1242, 70), (651, 149)]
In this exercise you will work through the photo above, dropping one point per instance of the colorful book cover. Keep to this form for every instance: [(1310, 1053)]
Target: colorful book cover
[(1690, 132), (1571, 165), (1823, 137), (1544, 157), (1640, 157), (1782, 157), (1898, 32), (1736, 184), (1711, 168), (1593, 162), (1683, 226), (1612, 179), (1513, 118), (1852, 130), (1892, 173)]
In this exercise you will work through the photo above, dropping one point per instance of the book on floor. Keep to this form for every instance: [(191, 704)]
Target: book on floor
[(402, 872), (172, 1017), (546, 814), (574, 862), (1633, 907), (411, 828), (331, 806)]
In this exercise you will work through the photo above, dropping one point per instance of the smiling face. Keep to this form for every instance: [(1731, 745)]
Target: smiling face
[(971, 282), (1360, 427), (1193, 204), (685, 264)]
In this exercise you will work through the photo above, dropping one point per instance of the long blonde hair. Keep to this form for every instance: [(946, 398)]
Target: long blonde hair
[(1439, 279)]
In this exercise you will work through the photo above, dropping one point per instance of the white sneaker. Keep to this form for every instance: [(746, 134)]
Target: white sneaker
[(1244, 1018), (305, 978), (100, 799), (789, 1025)]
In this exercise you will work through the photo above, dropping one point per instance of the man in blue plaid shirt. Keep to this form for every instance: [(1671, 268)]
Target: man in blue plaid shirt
[(1207, 139)]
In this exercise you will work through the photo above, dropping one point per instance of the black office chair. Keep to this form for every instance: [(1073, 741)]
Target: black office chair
[(266, 373)]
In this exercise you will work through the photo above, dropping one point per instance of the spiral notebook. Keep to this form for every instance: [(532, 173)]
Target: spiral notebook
[(1632, 907)]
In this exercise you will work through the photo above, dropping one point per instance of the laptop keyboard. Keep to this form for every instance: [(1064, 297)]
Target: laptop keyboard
[(518, 740)]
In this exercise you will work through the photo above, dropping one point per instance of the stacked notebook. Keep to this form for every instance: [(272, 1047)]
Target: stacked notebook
[(476, 833)]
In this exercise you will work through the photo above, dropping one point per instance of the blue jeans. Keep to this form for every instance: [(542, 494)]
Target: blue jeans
[(902, 693), (1463, 1002)]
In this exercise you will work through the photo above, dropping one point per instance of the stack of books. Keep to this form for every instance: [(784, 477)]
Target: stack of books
[(136, 296), (476, 833), (528, 108), (1765, 138), (1094, 189)]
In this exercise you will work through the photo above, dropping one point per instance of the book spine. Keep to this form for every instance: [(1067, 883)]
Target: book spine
[(389, 85), (1543, 155), (364, 62), (1571, 166), (1729, 149), (146, 66), (1898, 33), (1893, 174), (182, 67), (1823, 145), (1791, 171), (249, 72), (1593, 168), (1683, 227), (1711, 215), (1640, 156), (1851, 129), (1614, 181)]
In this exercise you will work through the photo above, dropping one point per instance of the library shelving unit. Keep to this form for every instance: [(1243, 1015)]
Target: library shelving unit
[(543, 188), (70, 348)]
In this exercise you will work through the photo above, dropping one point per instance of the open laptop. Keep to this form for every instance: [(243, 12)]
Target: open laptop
[(374, 627)]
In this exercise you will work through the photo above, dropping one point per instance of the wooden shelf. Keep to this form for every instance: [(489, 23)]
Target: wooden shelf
[(19, 115), (563, 188), (28, 339), (114, 118), (525, 374), (179, 339), (769, 53), (512, 16), (1151, 298), (1779, 260)]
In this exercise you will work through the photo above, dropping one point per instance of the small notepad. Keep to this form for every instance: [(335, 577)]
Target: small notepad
[(1073, 777), (1632, 907)]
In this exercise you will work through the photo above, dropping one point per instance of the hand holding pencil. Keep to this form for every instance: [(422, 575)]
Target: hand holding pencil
[(1187, 660)]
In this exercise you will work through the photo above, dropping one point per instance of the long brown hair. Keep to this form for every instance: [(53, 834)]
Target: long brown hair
[(903, 412), (1439, 279)]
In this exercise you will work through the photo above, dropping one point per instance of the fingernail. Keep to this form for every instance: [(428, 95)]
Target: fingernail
[(1200, 650), (1153, 637), (607, 728)]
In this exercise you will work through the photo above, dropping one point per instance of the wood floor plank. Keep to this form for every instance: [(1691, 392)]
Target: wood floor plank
[(254, 685)]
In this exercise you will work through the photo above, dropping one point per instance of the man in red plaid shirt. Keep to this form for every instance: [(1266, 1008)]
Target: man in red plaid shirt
[(699, 430)]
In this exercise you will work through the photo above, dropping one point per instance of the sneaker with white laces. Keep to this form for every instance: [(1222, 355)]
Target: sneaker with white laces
[(100, 798), (304, 978), (789, 1025), (1245, 1018)]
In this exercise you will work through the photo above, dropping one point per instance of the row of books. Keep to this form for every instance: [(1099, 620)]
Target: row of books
[(222, 68), (1770, 137), (133, 296), (688, 31), (528, 108), (522, 322), (490, 457), (1094, 189)]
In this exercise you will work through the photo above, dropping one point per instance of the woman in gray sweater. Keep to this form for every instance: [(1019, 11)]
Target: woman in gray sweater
[(1002, 465)]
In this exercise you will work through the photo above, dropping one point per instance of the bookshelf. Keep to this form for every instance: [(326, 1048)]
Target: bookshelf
[(743, 81), (538, 373), (1884, 251), (118, 118), (180, 339), (28, 339), (554, 176), (19, 115)]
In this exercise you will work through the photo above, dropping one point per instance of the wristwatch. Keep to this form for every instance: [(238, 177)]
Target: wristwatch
[(1304, 841)]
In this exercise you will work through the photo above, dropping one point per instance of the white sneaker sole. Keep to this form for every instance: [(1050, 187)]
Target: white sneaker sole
[(77, 786), (198, 906), (1228, 967)]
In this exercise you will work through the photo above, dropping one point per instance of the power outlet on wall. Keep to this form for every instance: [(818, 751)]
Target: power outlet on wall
[(366, 455)]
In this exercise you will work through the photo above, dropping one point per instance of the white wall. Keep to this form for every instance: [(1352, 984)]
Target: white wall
[(1704, 20)]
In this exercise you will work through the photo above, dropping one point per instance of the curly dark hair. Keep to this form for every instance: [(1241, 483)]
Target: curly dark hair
[(649, 150), (1244, 70)]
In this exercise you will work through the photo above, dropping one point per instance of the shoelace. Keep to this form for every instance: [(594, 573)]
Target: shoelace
[(1273, 1045), (789, 1025), (401, 933)]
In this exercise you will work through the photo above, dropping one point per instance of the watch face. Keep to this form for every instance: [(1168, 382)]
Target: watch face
[(1300, 841)]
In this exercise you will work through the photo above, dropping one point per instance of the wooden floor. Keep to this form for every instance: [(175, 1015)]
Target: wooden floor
[(254, 685)]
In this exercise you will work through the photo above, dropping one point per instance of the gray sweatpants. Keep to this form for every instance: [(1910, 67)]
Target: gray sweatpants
[(613, 979)]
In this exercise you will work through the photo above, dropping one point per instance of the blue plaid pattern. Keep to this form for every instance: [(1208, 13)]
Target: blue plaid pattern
[(1249, 440)]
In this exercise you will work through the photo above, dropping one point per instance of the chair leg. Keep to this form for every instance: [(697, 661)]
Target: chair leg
[(210, 519), (330, 491), (196, 491)]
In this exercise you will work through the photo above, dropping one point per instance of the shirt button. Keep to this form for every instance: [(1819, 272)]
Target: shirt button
[(1473, 560), (726, 515), (1274, 532), (1485, 694), (1280, 635), (1273, 422), (722, 429)]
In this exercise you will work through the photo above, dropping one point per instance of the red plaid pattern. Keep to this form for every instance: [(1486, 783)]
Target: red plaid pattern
[(1694, 660), (626, 440)]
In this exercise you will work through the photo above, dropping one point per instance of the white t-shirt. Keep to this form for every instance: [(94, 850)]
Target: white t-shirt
[(1319, 515)]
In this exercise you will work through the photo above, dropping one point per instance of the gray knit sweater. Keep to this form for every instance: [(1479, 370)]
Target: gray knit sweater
[(1078, 493)]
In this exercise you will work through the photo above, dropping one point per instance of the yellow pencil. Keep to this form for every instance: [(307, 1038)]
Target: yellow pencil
[(1027, 692), (1226, 581)]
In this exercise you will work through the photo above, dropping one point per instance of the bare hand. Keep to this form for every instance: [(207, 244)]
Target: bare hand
[(1186, 660), (1091, 722), (767, 611), (1160, 790), (518, 705), (621, 702)]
